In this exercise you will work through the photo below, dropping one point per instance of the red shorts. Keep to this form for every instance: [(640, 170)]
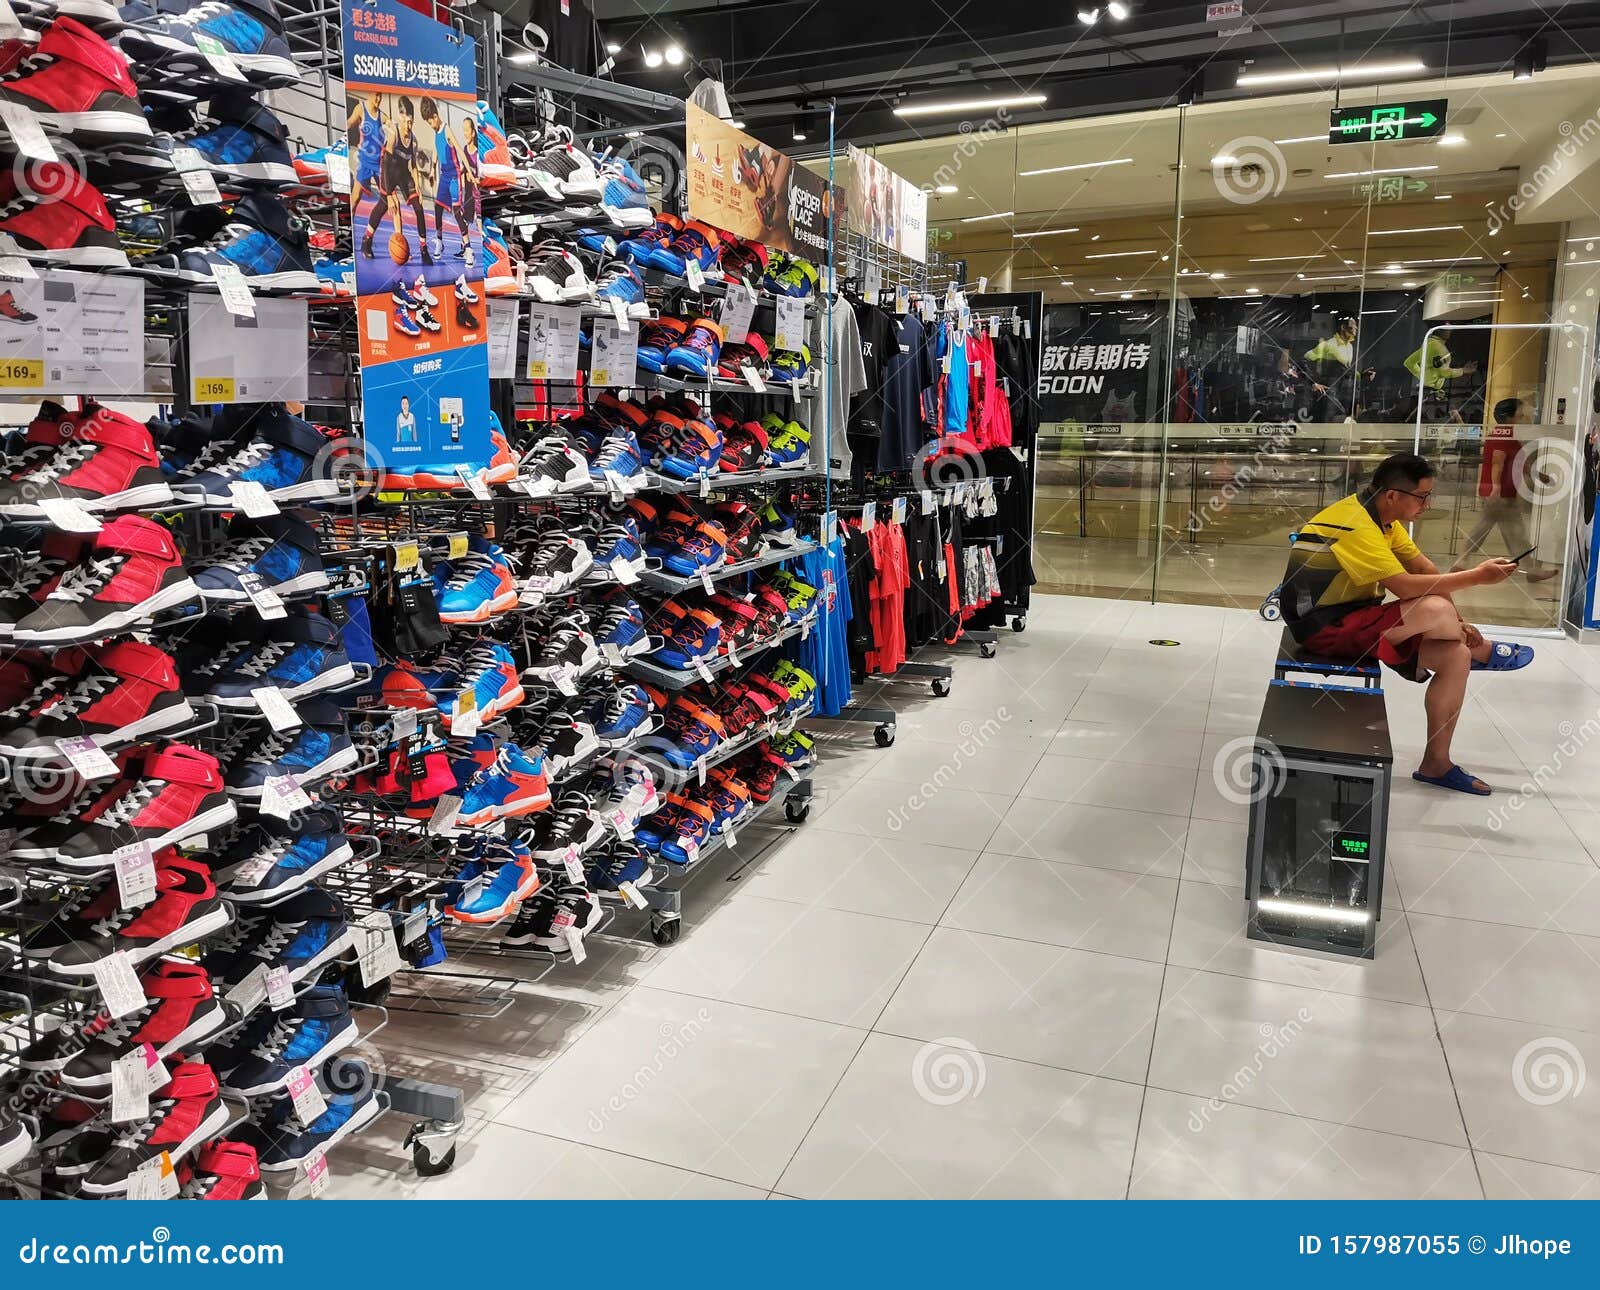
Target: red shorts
[(1359, 634)]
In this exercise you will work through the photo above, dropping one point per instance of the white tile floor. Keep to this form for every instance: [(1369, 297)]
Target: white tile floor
[(1003, 959)]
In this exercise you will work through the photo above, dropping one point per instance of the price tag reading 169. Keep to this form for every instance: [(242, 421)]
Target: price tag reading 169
[(21, 373), (215, 389)]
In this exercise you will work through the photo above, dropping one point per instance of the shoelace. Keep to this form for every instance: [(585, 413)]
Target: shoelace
[(279, 936), (272, 852), (268, 656), (277, 1039), (612, 451), (194, 17), (244, 553), (135, 1135), (276, 744), (31, 702), (241, 459), (89, 690), (215, 451), (470, 567), (36, 571), (70, 457), (83, 581), (126, 807)]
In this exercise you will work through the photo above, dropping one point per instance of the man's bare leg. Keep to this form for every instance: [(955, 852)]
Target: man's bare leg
[(1444, 652)]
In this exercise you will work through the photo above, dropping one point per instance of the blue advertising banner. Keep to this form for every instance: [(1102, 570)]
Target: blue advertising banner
[(416, 224)]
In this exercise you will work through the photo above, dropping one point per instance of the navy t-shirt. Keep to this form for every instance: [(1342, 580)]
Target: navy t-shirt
[(905, 376)]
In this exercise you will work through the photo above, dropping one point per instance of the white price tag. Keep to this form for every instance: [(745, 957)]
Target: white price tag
[(251, 990), (632, 895), (738, 308), (752, 378), (898, 511), (308, 1100), (10, 27), (379, 955), (574, 940), (87, 757), (830, 526), (700, 771), (267, 602), (282, 796), (694, 275), (624, 572), (615, 358), (404, 723), (132, 1075), (869, 516), (622, 822), (15, 267), (26, 132), (566, 679), (619, 313), (690, 848), (702, 669), (69, 515), (731, 838), (279, 712), (236, 297), (930, 310), (253, 870), (136, 874), (316, 1174), (795, 389), (280, 990), (574, 867), (444, 815), (927, 501), (250, 496), (733, 656), (706, 583), (475, 483), (220, 59), (465, 719), (790, 332), (154, 1180), (339, 171), (195, 172), (119, 985), (612, 653)]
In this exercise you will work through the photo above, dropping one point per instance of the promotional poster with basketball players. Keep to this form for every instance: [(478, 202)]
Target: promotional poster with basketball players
[(417, 237)]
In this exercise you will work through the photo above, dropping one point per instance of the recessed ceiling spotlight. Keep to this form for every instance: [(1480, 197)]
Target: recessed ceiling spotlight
[(674, 54), (653, 58), (944, 190)]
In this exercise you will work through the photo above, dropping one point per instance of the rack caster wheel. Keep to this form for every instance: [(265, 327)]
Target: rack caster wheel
[(988, 649), (1019, 623), (666, 932), (425, 1138), (427, 1166), (941, 686), (796, 812), (883, 736)]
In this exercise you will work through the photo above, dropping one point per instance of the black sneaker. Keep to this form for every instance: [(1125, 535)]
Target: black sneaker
[(185, 1113), (555, 274), (544, 920), (570, 829), (568, 648), (566, 743), (557, 565), (555, 466)]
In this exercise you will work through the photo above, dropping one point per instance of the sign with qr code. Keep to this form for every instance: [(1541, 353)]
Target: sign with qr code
[(81, 332)]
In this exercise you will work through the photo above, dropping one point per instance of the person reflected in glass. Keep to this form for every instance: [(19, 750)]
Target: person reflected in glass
[(1331, 360), (1505, 483), (1433, 366)]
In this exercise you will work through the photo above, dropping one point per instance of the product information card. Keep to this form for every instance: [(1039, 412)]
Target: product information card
[(256, 358), (77, 332)]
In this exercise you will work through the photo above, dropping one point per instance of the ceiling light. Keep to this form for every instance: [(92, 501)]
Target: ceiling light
[(1382, 170), (1334, 277), (1222, 159), (798, 134), (1365, 312), (1304, 138), (653, 58), (1408, 284), (1452, 140), (1066, 282), (1426, 228), (1082, 165), (1049, 232), (612, 47), (1441, 197), (674, 54), (969, 105), (1591, 238), (1094, 237), (944, 190), (1251, 291), (1116, 255), (1272, 259), (1127, 295), (1117, 10), (1215, 277), (973, 219), (1317, 75), (1088, 17)]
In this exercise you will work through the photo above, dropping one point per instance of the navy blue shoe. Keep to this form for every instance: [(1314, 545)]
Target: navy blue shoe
[(274, 861), (241, 141), (628, 716), (319, 1027), (280, 550), (301, 655), (250, 31), (305, 933), (312, 751), (291, 1151), (288, 457), (619, 541), (622, 630), (258, 236)]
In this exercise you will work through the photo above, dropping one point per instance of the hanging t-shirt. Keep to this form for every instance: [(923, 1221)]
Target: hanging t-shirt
[(845, 375), (909, 372), (564, 32), (954, 349), (825, 652)]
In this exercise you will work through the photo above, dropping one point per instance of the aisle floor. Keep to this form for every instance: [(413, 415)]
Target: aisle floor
[(1004, 958)]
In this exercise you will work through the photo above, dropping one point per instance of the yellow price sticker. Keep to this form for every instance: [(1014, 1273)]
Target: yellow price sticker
[(538, 370), (406, 556), (215, 389), (599, 377), (21, 373), (458, 545)]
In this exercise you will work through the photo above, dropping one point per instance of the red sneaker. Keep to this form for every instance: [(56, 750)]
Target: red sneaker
[(58, 216), (77, 84), (129, 691), (178, 795), (187, 1112), (185, 910), (106, 462), (133, 571), (223, 1170), (37, 575), (184, 1012)]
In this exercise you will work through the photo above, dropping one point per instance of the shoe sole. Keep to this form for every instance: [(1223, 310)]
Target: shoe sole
[(269, 896), (501, 604), (266, 172), (202, 927), (359, 1119), (129, 125), (131, 499), (346, 1036), (215, 818), (83, 257), (503, 910), (344, 759), (172, 56), (214, 1019), (179, 593), (153, 723), (293, 586), (332, 679), (207, 1129)]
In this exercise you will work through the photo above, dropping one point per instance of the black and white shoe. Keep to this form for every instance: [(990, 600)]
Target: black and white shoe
[(556, 274), (572, 827), (543, 921), (568, 650), (557, 565), (554, 466), (16, 1141)]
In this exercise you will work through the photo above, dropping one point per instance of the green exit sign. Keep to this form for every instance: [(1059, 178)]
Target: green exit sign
[(1388, 122)]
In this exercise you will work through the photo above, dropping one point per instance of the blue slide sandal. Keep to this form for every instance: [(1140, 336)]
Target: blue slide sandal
[(1505, 657), (1455, 778)]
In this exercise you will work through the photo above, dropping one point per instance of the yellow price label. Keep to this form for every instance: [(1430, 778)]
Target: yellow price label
[(538, 370), (215, 389), (406, 556), (458, 545), (21, 373), (599, 377)]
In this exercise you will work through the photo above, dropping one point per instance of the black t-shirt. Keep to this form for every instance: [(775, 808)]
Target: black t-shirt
[(569, 35), (907, 374), (878, 330)]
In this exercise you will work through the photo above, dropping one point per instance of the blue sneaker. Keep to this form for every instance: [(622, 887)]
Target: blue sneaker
[(479, 586), (696, 241), (629, 716), (310, 752), (250, 31), (404, 323), (623, 193), (287, 1151), (338, 277), (491, 670), (509, 878), (272, 863), (623, 864), (319, 1026), (304, 933), (619, 458), (595, 241), (619, 541), (619, 280), (403, 297), (241, 141), (301, 655), (288, 457), (312, 167), (280, 550), (513, 785), (257, 236), (622, 631)]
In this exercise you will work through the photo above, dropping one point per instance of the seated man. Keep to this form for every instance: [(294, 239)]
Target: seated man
[(1341, 564)]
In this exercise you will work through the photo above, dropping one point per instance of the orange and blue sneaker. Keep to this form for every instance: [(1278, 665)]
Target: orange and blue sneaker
[(496, 682), (311, 168), (513, 785), (495, 882), (695, 241), (478, 586), (495, 167), (697, 353), (499, 274), (642, 246)]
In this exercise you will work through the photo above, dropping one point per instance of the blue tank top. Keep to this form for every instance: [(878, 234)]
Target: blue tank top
[(371, 134), (447, 156)]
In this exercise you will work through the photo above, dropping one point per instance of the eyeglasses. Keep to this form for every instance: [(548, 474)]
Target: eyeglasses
[(1424, 498)]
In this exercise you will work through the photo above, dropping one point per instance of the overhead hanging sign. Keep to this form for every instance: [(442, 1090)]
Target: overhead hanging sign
[(887, 208), (412, 109), (755, 192), (1388, 122)]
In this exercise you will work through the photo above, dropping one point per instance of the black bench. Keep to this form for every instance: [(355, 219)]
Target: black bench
[(1294, 658), (1319, 809)]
